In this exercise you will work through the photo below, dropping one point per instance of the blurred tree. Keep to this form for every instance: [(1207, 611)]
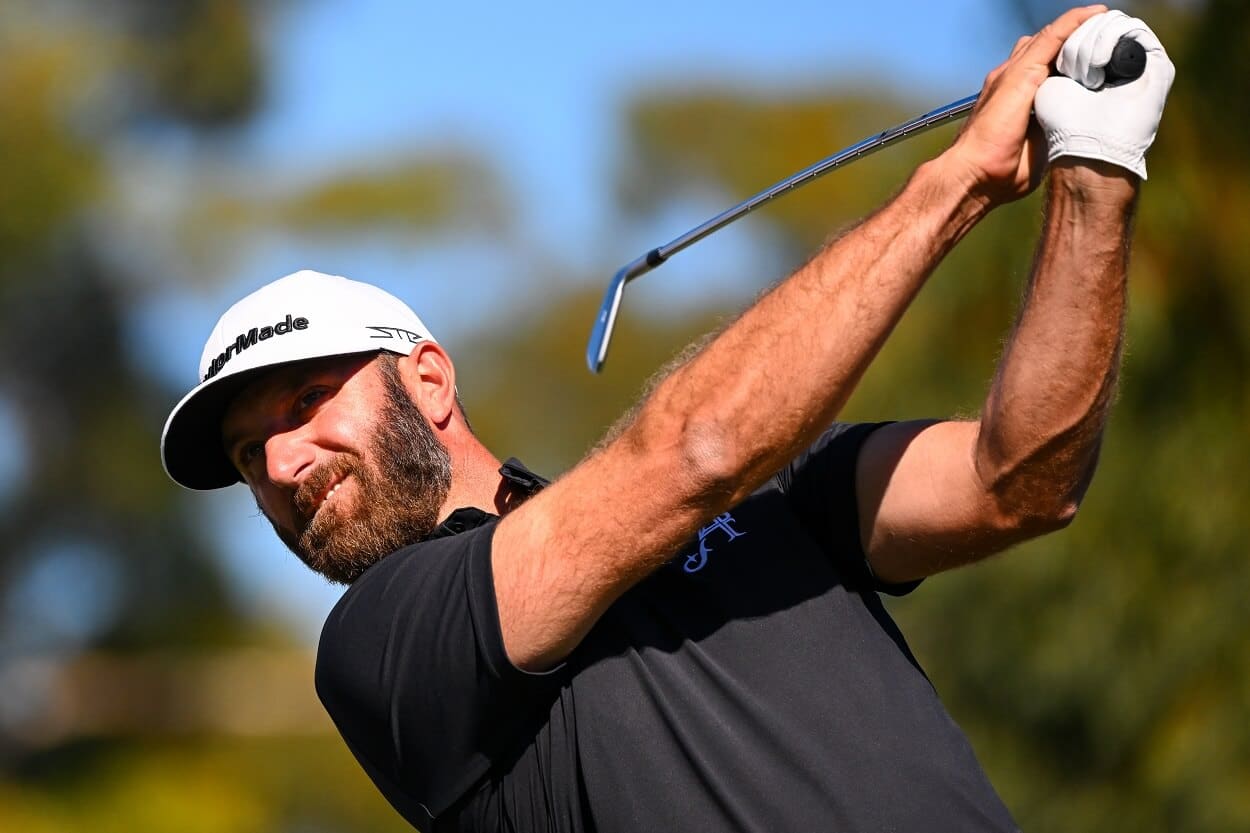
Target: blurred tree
[(83, 415), (196, 61), (117, 628), (527, 391)]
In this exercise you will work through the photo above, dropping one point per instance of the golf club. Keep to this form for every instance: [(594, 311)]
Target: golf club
[(1128, 61)]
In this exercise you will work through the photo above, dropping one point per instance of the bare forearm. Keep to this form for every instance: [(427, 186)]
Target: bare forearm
[(770, 383), (1043, 420)]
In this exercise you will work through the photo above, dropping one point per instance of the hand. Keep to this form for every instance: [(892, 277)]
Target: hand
[(1001, 152), (1116, 124)]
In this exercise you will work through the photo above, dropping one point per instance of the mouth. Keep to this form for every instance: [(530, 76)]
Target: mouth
[(313, 497), (327, 495)]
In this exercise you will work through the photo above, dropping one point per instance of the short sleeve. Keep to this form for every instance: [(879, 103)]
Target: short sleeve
[(411, 668), (820, 484)]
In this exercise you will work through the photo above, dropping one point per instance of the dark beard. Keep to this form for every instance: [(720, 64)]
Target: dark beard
[(398, 493)]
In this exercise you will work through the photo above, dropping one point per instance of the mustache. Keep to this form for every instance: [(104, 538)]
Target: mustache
[(309, 494)]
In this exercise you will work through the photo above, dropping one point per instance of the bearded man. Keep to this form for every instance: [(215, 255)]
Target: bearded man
[(684, 631)]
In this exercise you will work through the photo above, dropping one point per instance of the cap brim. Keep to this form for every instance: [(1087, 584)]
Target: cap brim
[(191, 447)]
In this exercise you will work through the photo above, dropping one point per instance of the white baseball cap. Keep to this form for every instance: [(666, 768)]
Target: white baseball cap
[(306, 315)]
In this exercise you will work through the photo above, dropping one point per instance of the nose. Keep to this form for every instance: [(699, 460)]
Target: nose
[(288, 455)]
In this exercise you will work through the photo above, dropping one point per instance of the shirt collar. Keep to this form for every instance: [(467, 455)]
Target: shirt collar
[(471, 517)]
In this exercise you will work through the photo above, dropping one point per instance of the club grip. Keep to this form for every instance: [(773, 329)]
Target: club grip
[(1128, 62)]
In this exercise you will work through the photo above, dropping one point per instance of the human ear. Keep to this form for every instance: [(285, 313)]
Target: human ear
[(430, 378)]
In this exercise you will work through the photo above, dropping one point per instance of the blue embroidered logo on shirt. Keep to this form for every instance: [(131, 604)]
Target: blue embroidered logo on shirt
[(696, 561)]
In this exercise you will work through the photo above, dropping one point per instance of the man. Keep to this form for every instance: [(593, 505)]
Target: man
[(684, 632)]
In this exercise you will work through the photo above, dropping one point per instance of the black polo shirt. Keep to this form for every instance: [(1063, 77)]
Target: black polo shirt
[(753, 683)]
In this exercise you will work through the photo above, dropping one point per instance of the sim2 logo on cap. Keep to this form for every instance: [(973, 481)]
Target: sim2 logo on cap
[(249, 339), (396, 333)]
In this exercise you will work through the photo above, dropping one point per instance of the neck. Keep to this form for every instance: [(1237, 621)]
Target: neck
[(475, 481)]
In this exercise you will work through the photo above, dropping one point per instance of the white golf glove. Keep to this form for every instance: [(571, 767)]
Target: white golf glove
[(1116, 124)]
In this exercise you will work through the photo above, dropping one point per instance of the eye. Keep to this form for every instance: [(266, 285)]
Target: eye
[(249, 452), (310, 397)]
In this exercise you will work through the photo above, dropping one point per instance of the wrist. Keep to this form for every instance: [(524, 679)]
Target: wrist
[(967, 172), (1093, 182), (948, 187)]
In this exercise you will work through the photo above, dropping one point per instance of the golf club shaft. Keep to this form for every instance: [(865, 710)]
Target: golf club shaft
[(1128, 62), (952, 111), (601, 335)]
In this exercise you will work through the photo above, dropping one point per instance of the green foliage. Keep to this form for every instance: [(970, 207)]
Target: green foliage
[(408, 197), (741, 144), (528, 394), (201, 785), (58, 169), (200, 60)]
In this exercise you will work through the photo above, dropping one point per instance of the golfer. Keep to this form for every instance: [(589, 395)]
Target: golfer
[(684, 631)]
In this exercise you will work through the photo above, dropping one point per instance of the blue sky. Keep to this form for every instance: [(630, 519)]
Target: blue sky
[(537, 89), (538, 86)]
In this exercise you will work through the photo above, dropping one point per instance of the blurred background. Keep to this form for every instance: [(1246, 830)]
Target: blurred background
[(493, 165)]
